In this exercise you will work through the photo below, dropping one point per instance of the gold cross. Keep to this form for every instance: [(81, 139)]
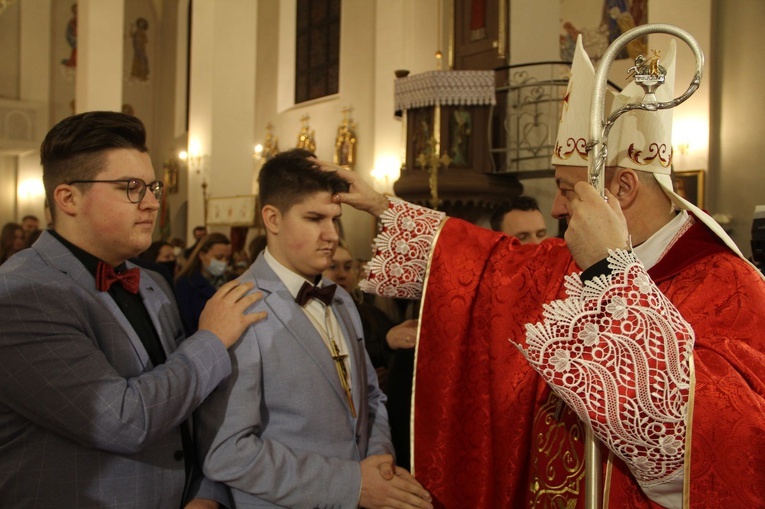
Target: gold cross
[(342, 373)]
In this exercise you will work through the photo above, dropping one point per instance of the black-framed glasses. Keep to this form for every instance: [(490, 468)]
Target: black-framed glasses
[(135, 188)]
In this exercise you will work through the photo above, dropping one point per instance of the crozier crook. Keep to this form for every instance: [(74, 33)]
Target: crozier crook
[(646, 73), (649, 75)]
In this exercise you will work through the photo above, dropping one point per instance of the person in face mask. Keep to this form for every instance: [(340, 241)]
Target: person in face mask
[(200, 277), (161, 258), (162, 253), (165, 255)]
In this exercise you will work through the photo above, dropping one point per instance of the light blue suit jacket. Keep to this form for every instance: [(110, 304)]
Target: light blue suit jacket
[(279, 430), (85, 419)]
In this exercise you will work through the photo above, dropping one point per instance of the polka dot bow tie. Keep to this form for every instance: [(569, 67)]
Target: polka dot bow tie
[(106, 277)]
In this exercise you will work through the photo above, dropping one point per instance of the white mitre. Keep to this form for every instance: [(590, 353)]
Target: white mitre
[(573, 130), (641, 140)]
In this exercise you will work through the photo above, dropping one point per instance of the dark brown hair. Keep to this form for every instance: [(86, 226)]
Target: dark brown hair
[(75, 148), (522, 202), (289, 178), (7, 238), (152, 253)]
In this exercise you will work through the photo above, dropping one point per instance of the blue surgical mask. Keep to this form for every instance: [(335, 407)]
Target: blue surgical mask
[(217, 267)]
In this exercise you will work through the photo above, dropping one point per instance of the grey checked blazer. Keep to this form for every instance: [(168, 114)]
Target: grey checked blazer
[(85, 419), (279, 430)]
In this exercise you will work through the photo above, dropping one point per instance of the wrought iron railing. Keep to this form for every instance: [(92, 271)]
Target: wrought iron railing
[(525, 121)]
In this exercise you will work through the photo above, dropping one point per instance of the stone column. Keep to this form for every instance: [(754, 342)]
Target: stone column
[(100, 40), (221, 102), (34, 86)]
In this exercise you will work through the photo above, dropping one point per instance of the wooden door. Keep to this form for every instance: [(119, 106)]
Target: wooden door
[(480, 33)]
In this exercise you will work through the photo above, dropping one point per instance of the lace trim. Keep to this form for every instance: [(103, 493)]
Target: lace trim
[(445, 87), (401, 249), (618, 353)]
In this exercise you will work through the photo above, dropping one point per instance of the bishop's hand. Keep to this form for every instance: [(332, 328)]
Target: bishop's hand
[(594, 226), (360, 195)]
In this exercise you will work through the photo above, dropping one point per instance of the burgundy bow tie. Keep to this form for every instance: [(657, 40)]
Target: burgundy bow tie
[(309, 291), (106, 277)]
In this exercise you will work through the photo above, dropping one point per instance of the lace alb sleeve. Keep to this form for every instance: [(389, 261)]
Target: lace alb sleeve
[(401, 250), (619, 354)]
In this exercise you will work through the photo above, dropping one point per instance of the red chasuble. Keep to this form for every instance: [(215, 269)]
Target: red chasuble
[(489, 432)]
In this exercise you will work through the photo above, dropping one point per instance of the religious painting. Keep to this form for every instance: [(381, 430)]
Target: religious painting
[(460, 130), (690, 186), (139, 35), (171, 171), (477, 20), (419, 136), (600, 23), (71, 40)]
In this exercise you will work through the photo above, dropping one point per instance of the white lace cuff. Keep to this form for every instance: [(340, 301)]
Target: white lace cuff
[(618, 353), (401, 250)]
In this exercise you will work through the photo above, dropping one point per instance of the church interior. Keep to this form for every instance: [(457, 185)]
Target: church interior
[(223, 85)]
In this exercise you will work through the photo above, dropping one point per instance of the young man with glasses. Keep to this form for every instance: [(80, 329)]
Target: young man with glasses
[(98, 381)]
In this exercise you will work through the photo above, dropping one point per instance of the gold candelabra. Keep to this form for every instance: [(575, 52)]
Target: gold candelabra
[(345, 142), (306, 136)]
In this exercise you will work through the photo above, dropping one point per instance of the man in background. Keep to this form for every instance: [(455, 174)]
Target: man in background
[(30, 223), (522, 219), (199, 232)]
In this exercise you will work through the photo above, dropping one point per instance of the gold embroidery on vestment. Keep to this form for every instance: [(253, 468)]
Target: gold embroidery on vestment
[(558, 463)]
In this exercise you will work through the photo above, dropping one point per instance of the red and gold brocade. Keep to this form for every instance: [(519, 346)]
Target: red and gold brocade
[(485, 431)]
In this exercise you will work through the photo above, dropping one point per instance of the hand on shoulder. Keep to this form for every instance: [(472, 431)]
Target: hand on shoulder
[(225, 313)]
